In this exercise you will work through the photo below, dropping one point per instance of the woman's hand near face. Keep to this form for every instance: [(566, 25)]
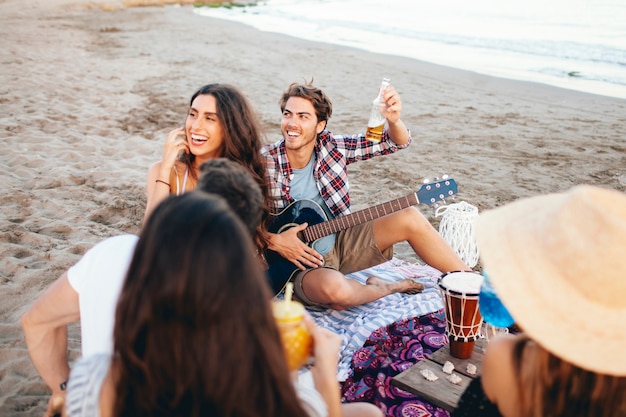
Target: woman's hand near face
[(175, 143), (158, 185)]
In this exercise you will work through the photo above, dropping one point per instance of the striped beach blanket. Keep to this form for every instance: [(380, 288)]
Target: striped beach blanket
[(356, 324)]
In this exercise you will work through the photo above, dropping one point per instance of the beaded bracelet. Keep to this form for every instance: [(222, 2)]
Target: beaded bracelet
[(163, 182)]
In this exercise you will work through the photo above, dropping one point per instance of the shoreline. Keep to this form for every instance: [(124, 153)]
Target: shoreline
[(88, 96), (280, 19)]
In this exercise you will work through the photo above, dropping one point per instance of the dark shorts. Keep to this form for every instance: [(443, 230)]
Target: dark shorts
[(355, 249)]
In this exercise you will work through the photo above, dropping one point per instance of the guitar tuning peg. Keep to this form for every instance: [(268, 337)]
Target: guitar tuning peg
[(435, 206), (436, 179), (445, 176), (426, 180)]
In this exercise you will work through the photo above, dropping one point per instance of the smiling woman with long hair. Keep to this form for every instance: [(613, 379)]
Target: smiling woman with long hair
[(220, 122)]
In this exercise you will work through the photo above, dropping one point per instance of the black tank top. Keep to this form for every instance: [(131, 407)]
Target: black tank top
[(474, 402)]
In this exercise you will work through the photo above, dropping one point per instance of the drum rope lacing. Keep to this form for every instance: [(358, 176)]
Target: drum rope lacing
[(462, 331)]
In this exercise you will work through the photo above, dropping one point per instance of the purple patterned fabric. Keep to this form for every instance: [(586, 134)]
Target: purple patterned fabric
[(389, 351)]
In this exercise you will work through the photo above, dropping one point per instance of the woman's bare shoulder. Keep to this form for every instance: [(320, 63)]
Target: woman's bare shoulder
[(499, 374)]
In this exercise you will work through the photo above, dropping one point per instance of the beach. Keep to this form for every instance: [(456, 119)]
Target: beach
[(89, 91)]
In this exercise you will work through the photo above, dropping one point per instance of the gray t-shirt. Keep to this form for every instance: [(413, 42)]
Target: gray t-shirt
[(303, 186)]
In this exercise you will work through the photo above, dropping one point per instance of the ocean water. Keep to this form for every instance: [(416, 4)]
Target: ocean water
[(574, 44)]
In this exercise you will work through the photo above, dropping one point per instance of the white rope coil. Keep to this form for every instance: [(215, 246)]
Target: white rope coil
[(457, 228)]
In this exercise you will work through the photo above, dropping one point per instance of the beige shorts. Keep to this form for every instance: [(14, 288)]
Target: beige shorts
[(355, 249)]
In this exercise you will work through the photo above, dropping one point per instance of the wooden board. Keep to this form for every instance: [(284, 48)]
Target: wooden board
[(441, 392), (460, 365)]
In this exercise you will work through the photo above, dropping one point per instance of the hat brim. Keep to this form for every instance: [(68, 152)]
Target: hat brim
[(539, 295)]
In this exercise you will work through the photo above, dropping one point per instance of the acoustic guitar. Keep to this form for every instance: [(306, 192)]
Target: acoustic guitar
[(281, 270)]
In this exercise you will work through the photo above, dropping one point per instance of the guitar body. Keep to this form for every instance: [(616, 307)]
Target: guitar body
[(280, 269)]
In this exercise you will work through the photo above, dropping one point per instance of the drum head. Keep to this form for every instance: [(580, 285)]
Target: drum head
[(461, 282)]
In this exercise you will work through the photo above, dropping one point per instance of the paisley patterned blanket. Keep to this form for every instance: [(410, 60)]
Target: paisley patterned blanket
[(389, 351)]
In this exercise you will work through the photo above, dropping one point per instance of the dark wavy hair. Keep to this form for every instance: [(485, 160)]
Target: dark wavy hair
[(233, 182), (320, 101), (194, 333), (243, 138)]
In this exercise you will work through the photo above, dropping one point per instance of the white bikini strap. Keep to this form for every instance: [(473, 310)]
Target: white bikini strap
[(185, 180), (178, 189)]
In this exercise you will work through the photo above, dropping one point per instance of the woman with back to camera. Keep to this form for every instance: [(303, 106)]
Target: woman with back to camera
[(194, 332), (558, 263)]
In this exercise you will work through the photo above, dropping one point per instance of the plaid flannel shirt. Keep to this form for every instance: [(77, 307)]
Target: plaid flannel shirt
[(333, 155)]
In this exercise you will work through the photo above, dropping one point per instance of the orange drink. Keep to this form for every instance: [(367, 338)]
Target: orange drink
[(295, 336)]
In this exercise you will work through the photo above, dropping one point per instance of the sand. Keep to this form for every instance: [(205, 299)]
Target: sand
[(89, 90)]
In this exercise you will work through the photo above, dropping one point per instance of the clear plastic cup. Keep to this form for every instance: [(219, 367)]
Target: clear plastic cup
[(294, 334)]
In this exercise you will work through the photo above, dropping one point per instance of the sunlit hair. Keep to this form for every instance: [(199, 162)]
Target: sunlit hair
[(243, 138), (320, 101), (194, 333), (549, 386), (233, 182)]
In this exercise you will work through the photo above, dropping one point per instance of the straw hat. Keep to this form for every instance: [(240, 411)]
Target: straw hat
[(558, 262)]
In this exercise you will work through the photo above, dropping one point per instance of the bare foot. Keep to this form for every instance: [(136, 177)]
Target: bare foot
[(406, 286)]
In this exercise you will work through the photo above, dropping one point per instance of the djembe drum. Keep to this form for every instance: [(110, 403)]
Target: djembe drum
[(460, 291)]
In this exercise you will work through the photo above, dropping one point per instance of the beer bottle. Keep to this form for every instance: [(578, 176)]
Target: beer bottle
[(376, 122)]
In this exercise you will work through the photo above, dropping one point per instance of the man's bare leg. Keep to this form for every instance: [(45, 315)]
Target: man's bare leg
[(408, 285), (330, 287), (411, 226)]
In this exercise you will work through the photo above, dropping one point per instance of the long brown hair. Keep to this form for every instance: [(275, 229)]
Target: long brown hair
[(548, 386), (243, 138), (194, 333)]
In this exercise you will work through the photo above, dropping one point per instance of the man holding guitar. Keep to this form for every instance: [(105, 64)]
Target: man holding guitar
[(309, 164)]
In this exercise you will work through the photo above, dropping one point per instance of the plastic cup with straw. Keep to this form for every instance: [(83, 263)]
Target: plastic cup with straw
[(294, 334)]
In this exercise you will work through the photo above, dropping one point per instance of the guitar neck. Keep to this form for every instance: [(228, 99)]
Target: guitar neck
[(326, 228)]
